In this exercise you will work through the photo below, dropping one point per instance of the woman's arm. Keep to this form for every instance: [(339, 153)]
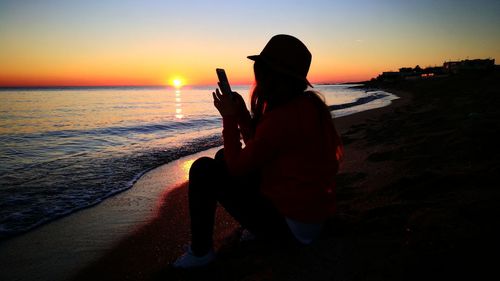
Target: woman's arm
[(267, 140), (245, 124), (270, 138), (244, 119)]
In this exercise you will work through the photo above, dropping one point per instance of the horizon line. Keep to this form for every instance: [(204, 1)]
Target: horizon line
[(143, 86)]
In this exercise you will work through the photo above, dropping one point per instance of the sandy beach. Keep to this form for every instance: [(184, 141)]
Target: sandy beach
[(416, 193)]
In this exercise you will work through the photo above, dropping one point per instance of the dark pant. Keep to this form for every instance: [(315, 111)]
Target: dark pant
[(209, 183)]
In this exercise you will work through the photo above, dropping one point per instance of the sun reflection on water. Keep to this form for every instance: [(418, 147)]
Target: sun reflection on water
[(178, 105)]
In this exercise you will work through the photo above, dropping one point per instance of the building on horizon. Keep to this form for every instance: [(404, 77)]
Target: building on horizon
[(454, 67), (448, 68)]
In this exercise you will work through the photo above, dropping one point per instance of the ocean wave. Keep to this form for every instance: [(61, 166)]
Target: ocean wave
[(360, 101), (169, 126), (45, 192)]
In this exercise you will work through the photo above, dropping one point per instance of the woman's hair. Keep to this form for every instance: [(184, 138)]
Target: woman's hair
[(273, 89)]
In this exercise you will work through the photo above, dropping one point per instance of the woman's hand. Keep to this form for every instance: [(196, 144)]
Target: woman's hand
[(229, 104)]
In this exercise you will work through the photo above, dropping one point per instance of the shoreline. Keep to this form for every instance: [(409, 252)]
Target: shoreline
[(106, 225), (48, 252)]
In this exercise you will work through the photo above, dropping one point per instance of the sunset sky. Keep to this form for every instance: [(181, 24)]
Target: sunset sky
[(154, 42)]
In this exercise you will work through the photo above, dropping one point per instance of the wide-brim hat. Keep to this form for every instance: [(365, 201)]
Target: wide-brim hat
[(288, 55)]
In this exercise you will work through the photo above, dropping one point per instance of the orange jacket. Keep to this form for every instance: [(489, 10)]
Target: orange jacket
[(297, 155)]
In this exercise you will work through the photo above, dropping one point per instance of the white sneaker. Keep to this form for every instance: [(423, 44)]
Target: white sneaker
[(189, 260), (246, 236)]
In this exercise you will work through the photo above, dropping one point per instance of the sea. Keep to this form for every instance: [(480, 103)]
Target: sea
[(69, 148)]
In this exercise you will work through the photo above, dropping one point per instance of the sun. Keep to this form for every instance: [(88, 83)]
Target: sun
[(177, 82)]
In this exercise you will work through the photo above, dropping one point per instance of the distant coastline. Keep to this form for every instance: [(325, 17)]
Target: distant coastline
[(55, 87), (38, 88)]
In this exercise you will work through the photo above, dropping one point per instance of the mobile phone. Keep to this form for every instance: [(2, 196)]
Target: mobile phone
[(224, 83)]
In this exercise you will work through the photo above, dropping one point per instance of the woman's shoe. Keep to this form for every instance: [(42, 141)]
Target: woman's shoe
[(189, 260), (246, 236)]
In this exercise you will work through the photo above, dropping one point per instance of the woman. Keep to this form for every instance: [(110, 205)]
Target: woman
[(281, 185)]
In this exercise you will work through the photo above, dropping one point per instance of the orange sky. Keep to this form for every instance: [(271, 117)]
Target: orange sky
[(48, 43)]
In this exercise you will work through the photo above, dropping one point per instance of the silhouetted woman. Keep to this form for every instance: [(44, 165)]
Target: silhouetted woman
[(281, 184)]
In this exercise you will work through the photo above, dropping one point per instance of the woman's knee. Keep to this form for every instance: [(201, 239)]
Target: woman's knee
[(201, 167), (219, 156)]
